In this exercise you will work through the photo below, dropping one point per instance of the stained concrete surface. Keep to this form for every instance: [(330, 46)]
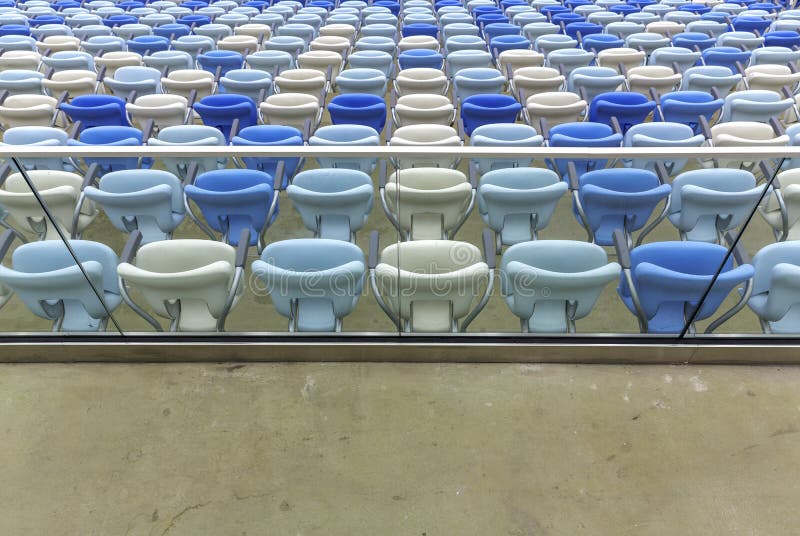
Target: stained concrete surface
[(398, 449)]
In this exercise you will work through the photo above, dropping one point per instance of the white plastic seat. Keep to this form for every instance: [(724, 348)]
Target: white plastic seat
[(528, 81), (423, 109), (74, 82), (661, 79), (183, 81), (613, 57), (292, 109), (306, 81), (27, 110), (554, 107), (163, 110), (421, 80), (426, 135), (20, 59)]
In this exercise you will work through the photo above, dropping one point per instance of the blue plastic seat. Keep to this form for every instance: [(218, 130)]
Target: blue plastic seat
[(371, 81), (96, 111), (232, 200), (784, 38), (314, 283), (486, 109), (420, 57), (745, 23), (270, 61), (517, 203), (776, 282), (142, 80), (225, 60), (609, 199), (584, 29), (669, 278), (706, 203), (705, 78), (754, 105), (220, 110), (477, 81), (112, 136), (147, 200), (549, 284), (372, 59), (468, 59), (569, 59), (270, 136), (774, 54), (148, 44), (684, 58), (722, 56), (344, 135), (628, 108), (37, 136), (504, 135), (251, 83), (582, 134), (64, 60), (686, 107), (599, 42), (694, 41), (420, 29), (594, 81), (358, 109), (47, 280), (464, 42), (501, 43), (661, 135), (333, 203)]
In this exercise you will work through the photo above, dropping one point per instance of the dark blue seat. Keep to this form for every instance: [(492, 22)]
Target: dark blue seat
[(726, 57), (584, 134), (96, 111), (686, 107), (746, 23), (691, 40), (15, 29), (420, 28), (629, 108), (420, 57), (358, 109), (172, 31), (270, 136), (232, 200), (228, 60), (600, 42), (486, 109), (584, 28), (113, 136), (783, 38), (219, 111), (148, 44), (119, 20), (501, 43)]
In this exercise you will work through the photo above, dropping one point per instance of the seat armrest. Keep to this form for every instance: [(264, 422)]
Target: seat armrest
[(6, 239), (572, 175), (280, 170), (90, 176), (474, 176), (242, 249), (131, 247), (382, 171), (739, 253), (623, 251), (191, 174), (489, 249), (374, 244)]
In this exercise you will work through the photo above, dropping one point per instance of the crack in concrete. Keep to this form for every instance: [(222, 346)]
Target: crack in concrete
[(180, 514), (248, 497)]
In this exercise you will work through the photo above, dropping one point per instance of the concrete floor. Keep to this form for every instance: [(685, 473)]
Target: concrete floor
[(406, 449)]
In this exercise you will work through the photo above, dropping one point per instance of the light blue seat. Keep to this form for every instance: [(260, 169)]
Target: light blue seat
[(333, 203), (477, 81), (581, 134), (376, 42), (387, 31), (190, 136), (754, 105), (372, 59), (45, 277), (569, 59), (776, 287), (68, 59), (132, 30), (624, 29), (169, 60), (346, 135), (648, 42), (740, 40), (706, 203), (464, 42), (232, 200), (594, 81), (661, 135), (682, 57), (465, 27), (37, 136), (20, 42), (305, 32), (270, 136), (116, 136), (468, 59), (535, 30), (549, 42), (669, 278), (517, 203), (708, 77), (609, 199), (271, 61), (20, 82), (549, 284), (252, 83), (504, 135), (776, 55), (370, 81), (285, 43), (142, 80), (194, 45), (147, 200), (314, 283)]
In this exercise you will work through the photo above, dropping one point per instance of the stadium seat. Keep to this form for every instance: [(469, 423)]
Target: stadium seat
[(345, 135), (270, 136)]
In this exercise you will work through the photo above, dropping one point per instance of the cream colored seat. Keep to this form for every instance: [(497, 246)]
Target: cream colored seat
[(60, 192), (183, 81), (666, 28), (114, 60), (555, 107), (771, 77), (292, 110), (163, 110), (418, 41), (613, 57), (338, 30), (744, 134), (662, 79), (781, 207), (432, 285), (518, 58), (25, 60), (426, 135), (27, 110), (529, 81), (427, 203), (261, 32), (421, 80), (331, 43), (423, 109), (308, 81), (193, 283), (243, 44), (321, 60), (58, 43), (74, 82)]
